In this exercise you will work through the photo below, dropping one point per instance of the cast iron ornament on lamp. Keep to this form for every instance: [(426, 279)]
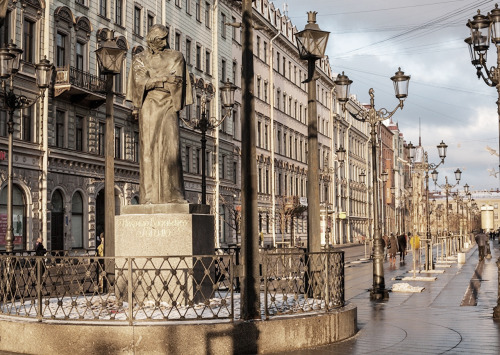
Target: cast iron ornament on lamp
[(374, 117)]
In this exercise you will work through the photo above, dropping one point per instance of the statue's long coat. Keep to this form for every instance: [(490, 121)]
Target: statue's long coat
[(159, 86)]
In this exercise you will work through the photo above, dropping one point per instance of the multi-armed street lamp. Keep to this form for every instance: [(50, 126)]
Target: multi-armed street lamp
[(9, 65), (375, 117), (311, 43), (483, 30), (447, 188), (204, 123), (426, 166)]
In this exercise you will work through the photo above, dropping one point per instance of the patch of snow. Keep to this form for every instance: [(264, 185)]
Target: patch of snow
[(405, 287)]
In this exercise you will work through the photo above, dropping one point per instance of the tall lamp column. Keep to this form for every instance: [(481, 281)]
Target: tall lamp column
[(110, 58), (426, 167), (311, 43), (374, 117), (9, 66)]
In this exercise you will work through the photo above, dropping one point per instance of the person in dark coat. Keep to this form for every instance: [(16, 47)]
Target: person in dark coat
[(39, 248), (402, 243), (393, 249), (481, 240)]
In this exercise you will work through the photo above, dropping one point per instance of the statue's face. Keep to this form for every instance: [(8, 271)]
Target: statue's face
[(158, 44)]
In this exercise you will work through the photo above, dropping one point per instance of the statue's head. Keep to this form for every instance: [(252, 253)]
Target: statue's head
[(157, 38)]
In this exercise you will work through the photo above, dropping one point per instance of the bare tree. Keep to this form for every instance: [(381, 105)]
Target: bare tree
[(288, 208)]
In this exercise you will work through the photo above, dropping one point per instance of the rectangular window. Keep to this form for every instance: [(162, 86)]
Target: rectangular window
[(60, 49), (198, 160), (151, 21), (137, 20), (29, 41), (177, 43), (198, 10), (258, 88), (103, 7), (207, 62), (223, 25), (188, 51), (188, 6), (187, 167), (27, 124), (60, 120), (198, 57), (265, 91), (118, 83), (119, 12), (101, 134), (223, 71), (135, 147), (235, 66), (3, 123), (223, 167), (118, 143), (79, 133), (79, 55), (178, 3), (265, 52), (235, 172), (5, 29), (207, 14), (233, 19), (258, 47)]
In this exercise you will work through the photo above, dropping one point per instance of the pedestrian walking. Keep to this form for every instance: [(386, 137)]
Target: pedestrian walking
[(385, 245), (393, 249), (402, 243), (481, 240)]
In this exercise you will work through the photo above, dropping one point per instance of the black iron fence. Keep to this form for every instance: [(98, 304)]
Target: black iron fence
[(191, 287)]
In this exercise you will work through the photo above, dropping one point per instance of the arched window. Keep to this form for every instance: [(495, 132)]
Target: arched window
[(18, 215), (57, 221), (77, 220)]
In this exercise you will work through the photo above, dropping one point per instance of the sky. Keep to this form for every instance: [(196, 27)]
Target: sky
[(370, 39)]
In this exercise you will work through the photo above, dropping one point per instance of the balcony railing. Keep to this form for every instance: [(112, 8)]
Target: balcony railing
[(192, 287), (79, 86)]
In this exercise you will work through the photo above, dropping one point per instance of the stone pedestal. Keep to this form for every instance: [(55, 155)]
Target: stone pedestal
[(155, 236)]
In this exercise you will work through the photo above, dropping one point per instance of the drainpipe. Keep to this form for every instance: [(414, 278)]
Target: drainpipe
[(348, 181), (44, 137), (216, 98), (271, 116)]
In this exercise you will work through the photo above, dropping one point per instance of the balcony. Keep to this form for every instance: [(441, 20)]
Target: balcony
[(79, 87)]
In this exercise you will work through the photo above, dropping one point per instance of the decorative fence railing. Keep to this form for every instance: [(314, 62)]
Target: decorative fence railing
[(137, 289)]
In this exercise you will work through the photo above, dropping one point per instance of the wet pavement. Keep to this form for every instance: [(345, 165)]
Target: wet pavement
[(430, 322)]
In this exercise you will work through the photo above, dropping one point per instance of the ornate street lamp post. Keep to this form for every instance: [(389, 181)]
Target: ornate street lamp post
[(205, 123), (447, 188), (311, 43), (110, 59), (9, 66), (374, 117), (428, 166)]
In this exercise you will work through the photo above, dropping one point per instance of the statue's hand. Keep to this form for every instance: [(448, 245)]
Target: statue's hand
[(135, 113)]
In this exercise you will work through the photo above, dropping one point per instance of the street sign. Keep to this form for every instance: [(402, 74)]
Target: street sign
[(303, 201), (342, 215)]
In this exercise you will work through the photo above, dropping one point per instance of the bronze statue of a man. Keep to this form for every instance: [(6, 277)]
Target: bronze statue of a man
[(159, 87)]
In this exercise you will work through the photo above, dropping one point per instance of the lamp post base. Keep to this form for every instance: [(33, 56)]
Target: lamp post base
[(379, 295)]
